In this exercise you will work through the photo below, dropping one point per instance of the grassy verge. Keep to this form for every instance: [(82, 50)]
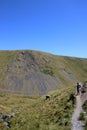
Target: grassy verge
[(83, 115), (84, 119)]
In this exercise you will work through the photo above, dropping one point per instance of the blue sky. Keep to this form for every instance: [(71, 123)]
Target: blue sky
[(55, 26)]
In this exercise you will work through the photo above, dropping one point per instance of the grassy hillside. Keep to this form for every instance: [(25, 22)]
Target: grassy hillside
[(5, 57), (38, 113), (32, 74), (37, 73)]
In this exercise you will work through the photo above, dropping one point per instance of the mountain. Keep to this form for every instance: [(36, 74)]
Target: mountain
[(25, 76), (36, 73)]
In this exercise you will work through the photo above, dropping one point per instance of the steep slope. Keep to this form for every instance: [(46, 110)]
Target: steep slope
[(36, 73)]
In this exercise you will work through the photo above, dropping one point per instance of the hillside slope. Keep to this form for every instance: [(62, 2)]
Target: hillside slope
[(30, 113), (36, 73)]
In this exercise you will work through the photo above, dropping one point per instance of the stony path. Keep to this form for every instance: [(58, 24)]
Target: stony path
[(77, 125)]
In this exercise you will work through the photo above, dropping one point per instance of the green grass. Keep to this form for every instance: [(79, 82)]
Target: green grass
[(48, 71), (37, 113), (85, 115), (5, 57), (82, 117), (85, 106)]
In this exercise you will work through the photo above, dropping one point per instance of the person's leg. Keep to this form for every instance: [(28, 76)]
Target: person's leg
[(77, 91)]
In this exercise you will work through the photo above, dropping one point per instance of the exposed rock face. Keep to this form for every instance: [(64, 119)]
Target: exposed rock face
[(23, 76)]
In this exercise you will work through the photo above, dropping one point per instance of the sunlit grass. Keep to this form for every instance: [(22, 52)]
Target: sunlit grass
[(38, 113)]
